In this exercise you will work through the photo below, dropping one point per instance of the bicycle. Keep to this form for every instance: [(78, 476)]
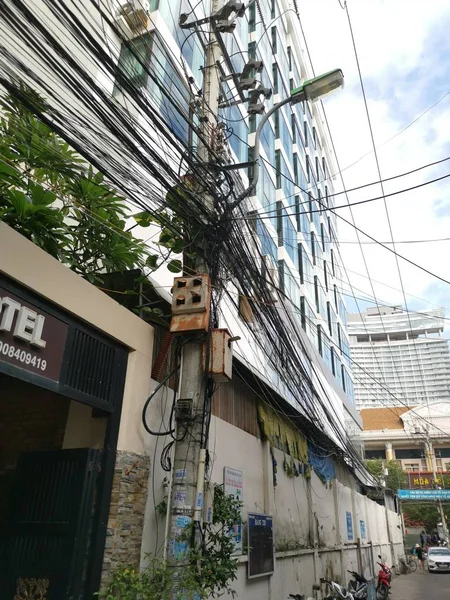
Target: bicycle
[(411, 563)]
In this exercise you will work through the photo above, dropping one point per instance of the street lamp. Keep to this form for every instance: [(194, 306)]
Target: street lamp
[(318, 87), (312, 90)]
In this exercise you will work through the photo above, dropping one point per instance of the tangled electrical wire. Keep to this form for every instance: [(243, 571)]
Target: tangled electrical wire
[(139, 145)]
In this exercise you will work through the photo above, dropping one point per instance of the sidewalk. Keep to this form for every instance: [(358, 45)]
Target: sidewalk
[(421, 585)]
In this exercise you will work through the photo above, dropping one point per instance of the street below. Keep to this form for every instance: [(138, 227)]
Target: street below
[(421, 585)]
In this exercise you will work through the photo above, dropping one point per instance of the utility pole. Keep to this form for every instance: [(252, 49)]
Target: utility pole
[(430, 464), (188, 471)]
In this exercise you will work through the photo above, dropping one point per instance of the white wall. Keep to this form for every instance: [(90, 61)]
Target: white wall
[(295, 510)]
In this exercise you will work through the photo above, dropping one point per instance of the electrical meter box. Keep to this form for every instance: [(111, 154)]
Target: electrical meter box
[(220, 356), (191, 304)]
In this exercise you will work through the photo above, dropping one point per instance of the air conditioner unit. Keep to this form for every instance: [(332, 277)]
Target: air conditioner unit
[(132, 19)]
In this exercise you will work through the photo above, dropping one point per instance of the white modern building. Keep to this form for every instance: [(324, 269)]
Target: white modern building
[(399, 358), (259, 428)]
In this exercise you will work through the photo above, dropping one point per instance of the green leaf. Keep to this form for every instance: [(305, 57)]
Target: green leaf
[(178, 246), (165, 237), (175, 266), (143, 219), (152, 261), (19, 201), (9, 172), (40, 195)]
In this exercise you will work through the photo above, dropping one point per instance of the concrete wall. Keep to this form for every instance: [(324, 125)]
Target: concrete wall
[(36, 270), (310, 521), (33, 268)]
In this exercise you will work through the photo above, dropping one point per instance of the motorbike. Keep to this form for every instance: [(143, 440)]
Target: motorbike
[(358, 586), (337, 591), (384, 580)]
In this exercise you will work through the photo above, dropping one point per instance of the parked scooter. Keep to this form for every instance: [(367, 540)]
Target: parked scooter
[(384, 580), (337, 591), (358, 586)]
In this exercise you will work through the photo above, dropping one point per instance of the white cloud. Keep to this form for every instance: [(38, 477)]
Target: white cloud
[(401, 49)]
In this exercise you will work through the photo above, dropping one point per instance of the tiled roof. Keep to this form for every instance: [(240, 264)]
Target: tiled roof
[(383, 418)]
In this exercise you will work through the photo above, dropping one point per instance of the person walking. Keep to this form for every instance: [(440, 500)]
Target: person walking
[(422, 538), (419, 552)]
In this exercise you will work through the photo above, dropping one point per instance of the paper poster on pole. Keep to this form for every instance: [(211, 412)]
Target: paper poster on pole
[(233, 485)]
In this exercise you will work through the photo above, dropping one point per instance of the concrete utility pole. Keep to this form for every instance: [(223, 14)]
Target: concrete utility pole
[(188, 474), (431, 466)]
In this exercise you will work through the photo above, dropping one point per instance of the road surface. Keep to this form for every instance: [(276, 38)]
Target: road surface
[(421, 585)]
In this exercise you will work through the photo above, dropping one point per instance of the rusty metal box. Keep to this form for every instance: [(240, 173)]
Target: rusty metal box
[(221, 355), (191, 304)]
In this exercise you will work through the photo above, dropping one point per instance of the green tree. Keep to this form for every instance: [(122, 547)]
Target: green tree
[(207, 571), (423, 514), (396, 477), (50, 195)]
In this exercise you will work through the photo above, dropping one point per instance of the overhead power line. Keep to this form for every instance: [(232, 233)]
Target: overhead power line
[(266, 214), (377, 162)]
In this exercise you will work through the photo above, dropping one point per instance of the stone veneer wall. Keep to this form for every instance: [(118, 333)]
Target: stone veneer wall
[(126, 515)]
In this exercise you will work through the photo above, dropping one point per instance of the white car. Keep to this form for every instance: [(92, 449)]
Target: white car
[(438, 559)]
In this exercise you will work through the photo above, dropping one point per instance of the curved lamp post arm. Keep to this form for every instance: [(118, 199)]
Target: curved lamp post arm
[(256, 153), (311, 90)]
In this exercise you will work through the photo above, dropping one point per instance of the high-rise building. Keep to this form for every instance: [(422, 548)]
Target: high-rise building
[(296, 231), (399, 357)]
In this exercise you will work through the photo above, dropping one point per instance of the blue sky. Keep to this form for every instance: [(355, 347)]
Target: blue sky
[(404, 49)]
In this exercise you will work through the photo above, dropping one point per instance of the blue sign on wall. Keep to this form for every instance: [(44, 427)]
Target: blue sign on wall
[(362, 528), (349, 526), (424, 494)]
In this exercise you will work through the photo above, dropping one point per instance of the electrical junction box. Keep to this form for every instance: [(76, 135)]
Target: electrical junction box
[(191, 304), (221, 355)]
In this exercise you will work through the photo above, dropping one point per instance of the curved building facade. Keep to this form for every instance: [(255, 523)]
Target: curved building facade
[(399, 358)]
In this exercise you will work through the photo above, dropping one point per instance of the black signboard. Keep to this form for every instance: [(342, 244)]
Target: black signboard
[(261, 559), (31, 338)]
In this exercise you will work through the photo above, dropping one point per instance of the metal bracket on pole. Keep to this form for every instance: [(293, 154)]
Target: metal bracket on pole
[(221, 18)]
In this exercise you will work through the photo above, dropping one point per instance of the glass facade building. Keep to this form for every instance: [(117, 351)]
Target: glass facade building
[(296, 232)]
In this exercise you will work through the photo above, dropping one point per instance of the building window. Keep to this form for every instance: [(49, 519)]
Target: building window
[(252, 17), (275, 80), (316, 293), (375, 454), (411, 467), (313, 247), (274, 40), (144, 61), (277, 124), (134, 61), (322, 235), (303, 312), (330, 324)]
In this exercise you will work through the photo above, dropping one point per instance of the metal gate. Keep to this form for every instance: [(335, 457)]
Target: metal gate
[(50, 521)]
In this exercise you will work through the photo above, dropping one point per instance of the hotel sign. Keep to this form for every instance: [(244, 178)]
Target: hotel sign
[(30, 338)]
